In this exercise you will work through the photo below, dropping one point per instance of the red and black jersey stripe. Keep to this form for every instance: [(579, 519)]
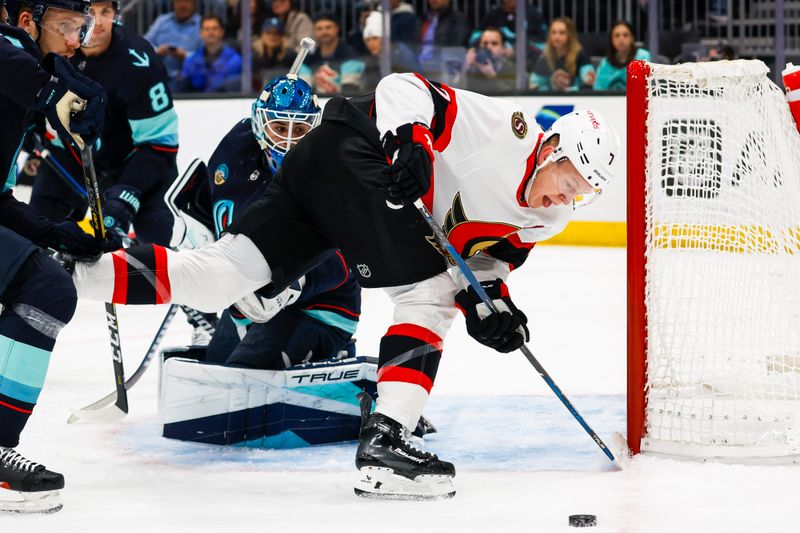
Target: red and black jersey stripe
[(410, 354), (511, 250), (140, 275), (445, 110)]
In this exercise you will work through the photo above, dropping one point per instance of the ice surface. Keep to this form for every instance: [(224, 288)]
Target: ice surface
[(523, 463)]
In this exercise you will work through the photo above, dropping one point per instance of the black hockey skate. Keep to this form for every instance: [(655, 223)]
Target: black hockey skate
[(29, 487), (391, 468)]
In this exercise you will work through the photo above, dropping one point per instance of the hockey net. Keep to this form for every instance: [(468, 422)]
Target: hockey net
[(713, 263)]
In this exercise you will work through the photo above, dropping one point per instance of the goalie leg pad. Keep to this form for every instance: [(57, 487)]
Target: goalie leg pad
[(305, 405)]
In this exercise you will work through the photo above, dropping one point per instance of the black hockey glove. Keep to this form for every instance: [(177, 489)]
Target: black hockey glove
[(120, 206), (506, 330), (69, 238), (411, 151), (313, 340), (57, 96)]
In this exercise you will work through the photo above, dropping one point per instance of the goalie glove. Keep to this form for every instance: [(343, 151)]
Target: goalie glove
[(506, 330), (411, 151), (259, 309)]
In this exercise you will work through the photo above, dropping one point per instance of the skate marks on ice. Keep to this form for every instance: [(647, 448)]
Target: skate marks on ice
[(488, 433)]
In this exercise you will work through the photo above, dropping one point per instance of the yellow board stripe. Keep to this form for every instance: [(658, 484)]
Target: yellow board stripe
[(582, 233)]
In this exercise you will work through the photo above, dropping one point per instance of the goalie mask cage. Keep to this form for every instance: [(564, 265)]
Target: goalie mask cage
[(713, 264)]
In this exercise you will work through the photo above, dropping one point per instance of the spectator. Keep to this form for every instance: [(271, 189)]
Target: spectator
[(296, 24), (443, 26), (233, 28), (612, 71), (334, 63), (564, 65), (488, 67), (504, 17), (271, 56), (215, 67), (693, 52), (724, 52), (404, 21), (175, 36), (356, 36), (403, 59)]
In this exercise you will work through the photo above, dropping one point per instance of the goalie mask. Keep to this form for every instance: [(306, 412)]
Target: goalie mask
[(283, 114), (591, 144)]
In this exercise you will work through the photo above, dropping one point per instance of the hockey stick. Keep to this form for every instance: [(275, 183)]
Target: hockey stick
[(58, 168), (307, 45), (120, 407), (475, 284), (196, 318), (85, 414)]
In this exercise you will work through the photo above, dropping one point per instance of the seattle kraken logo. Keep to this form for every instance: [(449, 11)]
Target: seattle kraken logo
[(223, 215)]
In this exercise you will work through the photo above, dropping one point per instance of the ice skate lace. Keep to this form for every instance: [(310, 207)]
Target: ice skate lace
[(14, 460), (404, 435)]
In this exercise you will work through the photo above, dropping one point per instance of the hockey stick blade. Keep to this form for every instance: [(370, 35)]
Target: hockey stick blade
[(622, 453), (108, 414), (78, 414)]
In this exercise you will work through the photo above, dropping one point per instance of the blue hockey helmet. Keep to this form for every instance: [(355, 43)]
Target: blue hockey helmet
[(284, 113)]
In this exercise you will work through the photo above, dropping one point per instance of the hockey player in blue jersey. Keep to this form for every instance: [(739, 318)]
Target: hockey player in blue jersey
[(37, 296), (313, 319), (135, 159)]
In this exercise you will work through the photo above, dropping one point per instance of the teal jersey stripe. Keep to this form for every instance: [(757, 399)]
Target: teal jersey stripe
[(22, 369), (11, 178), (18, 391), (333, 319), (16, 42), (160, 129)]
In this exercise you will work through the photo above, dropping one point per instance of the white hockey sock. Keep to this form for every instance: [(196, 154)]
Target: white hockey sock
[(402, 402)]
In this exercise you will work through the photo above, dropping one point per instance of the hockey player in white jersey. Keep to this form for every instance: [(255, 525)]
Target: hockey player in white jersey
[(494, 181)]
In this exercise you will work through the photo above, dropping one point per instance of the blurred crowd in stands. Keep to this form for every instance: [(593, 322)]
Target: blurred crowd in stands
[(203, 52)]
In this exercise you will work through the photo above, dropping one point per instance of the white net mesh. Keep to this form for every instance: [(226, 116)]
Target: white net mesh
[(723, 264)]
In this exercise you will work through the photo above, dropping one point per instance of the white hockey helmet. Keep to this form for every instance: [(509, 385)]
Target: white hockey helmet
[(591, 144)]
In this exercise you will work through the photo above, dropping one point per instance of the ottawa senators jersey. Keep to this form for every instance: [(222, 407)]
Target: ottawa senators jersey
[(484, 157)]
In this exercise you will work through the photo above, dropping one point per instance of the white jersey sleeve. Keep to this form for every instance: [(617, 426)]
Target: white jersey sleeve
[(402, 99)]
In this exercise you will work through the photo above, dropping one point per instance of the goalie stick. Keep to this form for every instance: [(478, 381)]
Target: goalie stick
[(86, 414), (441, 238)]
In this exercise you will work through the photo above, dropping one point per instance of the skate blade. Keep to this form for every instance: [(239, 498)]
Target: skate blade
[(383, 484), (45, 502)]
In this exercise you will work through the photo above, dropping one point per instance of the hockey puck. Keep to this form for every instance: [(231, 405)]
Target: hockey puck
[(582, 520)]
